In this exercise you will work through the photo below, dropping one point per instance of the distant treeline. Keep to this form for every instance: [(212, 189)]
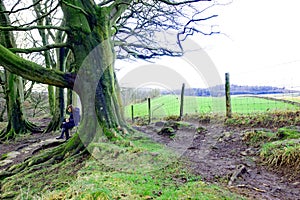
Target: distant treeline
[(234, 90), (138, 95)]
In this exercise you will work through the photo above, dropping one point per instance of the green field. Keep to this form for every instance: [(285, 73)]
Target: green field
[(168, 105)]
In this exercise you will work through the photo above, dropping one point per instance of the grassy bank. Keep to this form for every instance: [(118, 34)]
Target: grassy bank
[(132, 168), (280, 149)]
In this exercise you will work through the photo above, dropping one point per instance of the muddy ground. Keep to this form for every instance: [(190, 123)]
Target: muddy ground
[(219, 155), (25, 146)]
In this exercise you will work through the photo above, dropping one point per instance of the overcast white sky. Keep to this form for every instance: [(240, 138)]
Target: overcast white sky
[(264, 44), (261, 46)]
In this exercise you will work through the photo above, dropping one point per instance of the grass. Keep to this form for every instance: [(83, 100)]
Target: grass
[(295, 99), (279, 149), (284, 154), (270, 119), (171, 182), (132, 168), (168, 105)]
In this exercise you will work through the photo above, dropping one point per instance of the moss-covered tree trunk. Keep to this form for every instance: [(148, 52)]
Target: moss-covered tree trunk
[(90, 40), (16, 120)]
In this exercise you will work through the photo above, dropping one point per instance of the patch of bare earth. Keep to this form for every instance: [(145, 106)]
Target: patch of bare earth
[(25, 146), (219, 155)]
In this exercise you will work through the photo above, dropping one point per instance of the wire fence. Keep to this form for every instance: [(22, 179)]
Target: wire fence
[(151, 104)]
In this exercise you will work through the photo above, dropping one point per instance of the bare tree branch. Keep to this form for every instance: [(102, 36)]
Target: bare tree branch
[(28, 28), (38, 49), (21, 9), (180, 3), (75, 7), (104, 3), (118, 8), (42, 16)]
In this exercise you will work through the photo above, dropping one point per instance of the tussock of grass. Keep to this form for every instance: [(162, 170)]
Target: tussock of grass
[(284, 153), (288, 133), (259, 137), (280, 149)]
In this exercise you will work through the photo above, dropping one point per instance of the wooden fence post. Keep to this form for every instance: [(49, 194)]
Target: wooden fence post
[(227, 94), (181, 101), (132, 114), (149, 110)]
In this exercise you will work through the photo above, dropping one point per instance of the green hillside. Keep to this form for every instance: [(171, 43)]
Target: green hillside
[(168, 105)]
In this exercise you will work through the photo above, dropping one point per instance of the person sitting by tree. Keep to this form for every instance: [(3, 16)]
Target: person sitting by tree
[(68, 123)]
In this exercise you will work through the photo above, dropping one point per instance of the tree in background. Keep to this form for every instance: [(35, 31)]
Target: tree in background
[(98, 33), (14, 91)]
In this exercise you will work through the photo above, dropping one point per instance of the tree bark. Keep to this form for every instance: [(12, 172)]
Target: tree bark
[(95, 84), (94, 62)]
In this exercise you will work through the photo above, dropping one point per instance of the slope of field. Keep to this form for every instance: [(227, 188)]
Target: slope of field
[(168, 105)]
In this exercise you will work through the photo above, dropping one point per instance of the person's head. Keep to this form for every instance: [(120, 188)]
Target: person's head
[(70, 108)]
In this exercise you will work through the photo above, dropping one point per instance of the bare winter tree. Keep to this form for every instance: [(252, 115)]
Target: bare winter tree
[(96, 34), (17, 122)]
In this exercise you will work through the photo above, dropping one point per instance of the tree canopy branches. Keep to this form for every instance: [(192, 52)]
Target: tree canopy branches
[(29, 28), (159, 26), (138, 29), (38, 49), (20, 9)]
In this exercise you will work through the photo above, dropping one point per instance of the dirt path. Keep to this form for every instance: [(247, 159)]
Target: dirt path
[(219, 155)]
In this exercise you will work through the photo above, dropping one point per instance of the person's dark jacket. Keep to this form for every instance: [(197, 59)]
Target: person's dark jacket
[(70, 123)]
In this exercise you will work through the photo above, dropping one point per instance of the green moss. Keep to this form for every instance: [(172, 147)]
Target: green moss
[(288, 133), (35, 181), (155, 173), (170, 182), (3, 156)]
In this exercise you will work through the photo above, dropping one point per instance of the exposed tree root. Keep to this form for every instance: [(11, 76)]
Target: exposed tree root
[(48, 157), (241, 169), (10, 133), (10, 187), (32, 127), (54, 125), (7, 135)]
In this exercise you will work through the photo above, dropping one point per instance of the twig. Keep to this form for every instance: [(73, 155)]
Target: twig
[(240, 170)]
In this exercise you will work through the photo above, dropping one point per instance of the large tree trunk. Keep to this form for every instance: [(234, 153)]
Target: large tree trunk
[(90, 40), (98, 92), (16, 121), (94, 60)]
